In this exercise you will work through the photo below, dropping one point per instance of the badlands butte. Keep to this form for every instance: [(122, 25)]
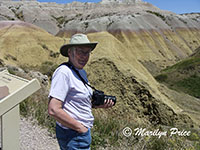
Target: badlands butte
[(136, 40)]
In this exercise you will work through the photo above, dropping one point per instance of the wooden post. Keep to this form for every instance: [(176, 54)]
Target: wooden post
[(13, 90)]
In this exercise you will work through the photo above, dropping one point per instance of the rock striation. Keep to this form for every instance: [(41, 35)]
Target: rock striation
[(143, 28), (52, 16)]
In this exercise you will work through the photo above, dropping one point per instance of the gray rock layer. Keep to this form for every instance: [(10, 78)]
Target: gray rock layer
[(94, 17)]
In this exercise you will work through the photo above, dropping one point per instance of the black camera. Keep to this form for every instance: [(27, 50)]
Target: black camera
[(99, 97)]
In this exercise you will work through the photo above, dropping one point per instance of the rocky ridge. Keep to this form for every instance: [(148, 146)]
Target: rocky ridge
[(167, 36), (54, 17)]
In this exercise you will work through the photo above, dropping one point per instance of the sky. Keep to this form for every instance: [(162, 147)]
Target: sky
[(177, 6)]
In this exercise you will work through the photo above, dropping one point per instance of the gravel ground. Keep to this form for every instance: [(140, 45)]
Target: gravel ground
[(34, 137)]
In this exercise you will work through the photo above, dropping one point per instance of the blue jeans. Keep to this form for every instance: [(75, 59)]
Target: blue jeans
[(69, 139)]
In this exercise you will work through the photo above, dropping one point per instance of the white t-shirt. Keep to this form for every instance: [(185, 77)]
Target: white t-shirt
[(76, 97)]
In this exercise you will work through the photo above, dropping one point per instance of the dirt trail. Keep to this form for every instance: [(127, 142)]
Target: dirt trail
[(34, 137)]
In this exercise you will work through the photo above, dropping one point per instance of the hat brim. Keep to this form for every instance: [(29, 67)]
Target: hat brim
[(64, 48)]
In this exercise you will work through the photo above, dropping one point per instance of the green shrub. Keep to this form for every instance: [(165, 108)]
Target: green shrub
[(44, 46), (161, 77), (190, 85), (157, 144), (194, 137), (105, 131), (157, 14), (183, 65), (60, 20), (197, 146), (47, 68)]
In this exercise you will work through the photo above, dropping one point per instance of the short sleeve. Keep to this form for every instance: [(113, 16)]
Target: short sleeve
[(59, 86)]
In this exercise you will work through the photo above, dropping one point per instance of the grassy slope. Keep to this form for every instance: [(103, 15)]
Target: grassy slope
[(24, 45), (184, 76)]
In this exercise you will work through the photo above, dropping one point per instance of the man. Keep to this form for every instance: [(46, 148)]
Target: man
[(70, 99)]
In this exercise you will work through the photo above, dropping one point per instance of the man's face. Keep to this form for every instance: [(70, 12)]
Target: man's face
[(80, 56)]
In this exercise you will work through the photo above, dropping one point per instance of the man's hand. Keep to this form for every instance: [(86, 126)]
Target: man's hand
[(55, 110), (82, 129), (107, 104)]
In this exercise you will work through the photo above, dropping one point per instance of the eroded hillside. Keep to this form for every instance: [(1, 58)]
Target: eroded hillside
[(26, 44), (135, 42), (131, 81), (155, 37)]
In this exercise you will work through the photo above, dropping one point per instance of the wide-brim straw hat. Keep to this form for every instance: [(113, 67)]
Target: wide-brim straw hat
[(77, 40)]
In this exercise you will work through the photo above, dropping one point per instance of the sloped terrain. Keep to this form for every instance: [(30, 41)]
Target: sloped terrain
[(184, 77), (118, 69), (134, 100), (23, 43), (156, 37), (112, 68), (135, 42)]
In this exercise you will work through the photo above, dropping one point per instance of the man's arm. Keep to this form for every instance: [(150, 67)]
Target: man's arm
[(55, 110)]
